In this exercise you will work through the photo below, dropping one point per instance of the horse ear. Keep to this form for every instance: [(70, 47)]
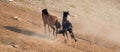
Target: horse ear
[(68, 12), (44, 9)]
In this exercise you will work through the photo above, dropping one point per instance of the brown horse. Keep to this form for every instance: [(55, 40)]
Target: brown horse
[(51, 21)]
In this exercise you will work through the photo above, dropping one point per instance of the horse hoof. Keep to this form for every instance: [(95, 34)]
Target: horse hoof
[(65, 41), (75, 40)]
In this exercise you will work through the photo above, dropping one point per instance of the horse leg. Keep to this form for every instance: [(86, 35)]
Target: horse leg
[(67, 36), (72, 35), (49, 29), (44, 28), (56, 32), (64, 38), (53, 30)]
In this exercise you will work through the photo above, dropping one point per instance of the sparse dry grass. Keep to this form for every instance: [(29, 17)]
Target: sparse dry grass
[(27, 43), (73, 6)]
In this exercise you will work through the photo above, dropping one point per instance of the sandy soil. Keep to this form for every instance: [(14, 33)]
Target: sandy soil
[(27, 34)]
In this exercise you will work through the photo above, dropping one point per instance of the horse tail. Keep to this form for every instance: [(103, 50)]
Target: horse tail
[(57, 24)]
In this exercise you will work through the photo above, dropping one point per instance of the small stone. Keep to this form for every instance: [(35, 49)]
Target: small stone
[(16, 18), (15, 46)]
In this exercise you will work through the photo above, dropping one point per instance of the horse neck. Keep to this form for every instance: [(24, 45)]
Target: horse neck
[(64, 20), (65, 17)]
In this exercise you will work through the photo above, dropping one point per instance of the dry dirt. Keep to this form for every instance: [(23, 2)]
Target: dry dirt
[(27, 34)]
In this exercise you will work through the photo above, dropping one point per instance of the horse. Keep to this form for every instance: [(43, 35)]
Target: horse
[(50, 20), (67, 26)]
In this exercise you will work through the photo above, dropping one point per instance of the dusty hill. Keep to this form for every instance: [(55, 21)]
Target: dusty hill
[(26, 34), (96, 21), (13, 32)]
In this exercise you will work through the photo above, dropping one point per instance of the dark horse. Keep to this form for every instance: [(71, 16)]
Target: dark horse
[(67, 26)]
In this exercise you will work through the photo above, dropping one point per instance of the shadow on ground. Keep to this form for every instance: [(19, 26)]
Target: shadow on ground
[(26, 32)]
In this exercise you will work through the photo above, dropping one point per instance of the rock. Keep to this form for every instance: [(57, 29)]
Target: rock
[(16, 18), (15, 46)]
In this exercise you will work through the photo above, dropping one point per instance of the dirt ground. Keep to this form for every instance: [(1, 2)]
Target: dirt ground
[(27, 34)]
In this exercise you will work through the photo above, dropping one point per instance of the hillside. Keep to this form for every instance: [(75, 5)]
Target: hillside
[(13, 32), (94, 20), (93, 34)]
